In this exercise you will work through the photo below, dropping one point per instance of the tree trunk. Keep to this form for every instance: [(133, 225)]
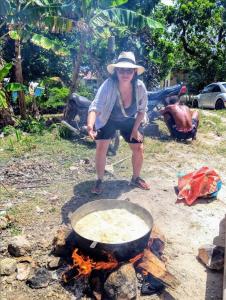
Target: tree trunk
[(19, 78), (111, 47), (34, 108), (6, 117), (77, 64)]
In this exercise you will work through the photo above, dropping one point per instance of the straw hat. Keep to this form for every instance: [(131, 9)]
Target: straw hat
[(126, 60)]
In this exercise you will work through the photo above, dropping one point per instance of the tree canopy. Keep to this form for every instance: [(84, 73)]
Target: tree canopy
[(47, 38)]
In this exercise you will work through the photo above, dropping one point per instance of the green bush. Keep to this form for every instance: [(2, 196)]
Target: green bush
[(56, 97), (50, 82), (28, 100), (32, 125), (8, 130), (64, 132), (85, 91)]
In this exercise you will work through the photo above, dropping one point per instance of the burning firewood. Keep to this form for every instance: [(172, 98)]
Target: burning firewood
[(153, 265), (84, 265)]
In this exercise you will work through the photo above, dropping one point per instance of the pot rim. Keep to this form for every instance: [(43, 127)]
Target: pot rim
[(119, 204)]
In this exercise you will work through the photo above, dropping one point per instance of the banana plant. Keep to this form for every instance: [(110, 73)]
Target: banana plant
[(15, 15), (5, 112), (8, 87), (3, 73), (87, 19), (90, 19)]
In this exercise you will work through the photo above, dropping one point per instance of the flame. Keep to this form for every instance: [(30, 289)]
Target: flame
[(111, 264), (84, 265), (136, 258)]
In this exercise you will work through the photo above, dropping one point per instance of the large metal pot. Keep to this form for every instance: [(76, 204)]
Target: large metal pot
[(122, 251)]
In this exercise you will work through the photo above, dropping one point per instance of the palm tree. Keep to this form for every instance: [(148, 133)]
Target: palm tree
[(88, 19)]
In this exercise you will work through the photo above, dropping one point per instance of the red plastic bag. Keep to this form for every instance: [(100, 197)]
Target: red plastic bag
[(202, 183)]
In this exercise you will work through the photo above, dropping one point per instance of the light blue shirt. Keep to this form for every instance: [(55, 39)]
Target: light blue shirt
[(106, 96)]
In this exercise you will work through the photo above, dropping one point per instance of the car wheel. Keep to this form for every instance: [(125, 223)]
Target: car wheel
[(219, 104), (195, 103)]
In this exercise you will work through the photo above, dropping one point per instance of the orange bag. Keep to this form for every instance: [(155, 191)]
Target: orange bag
[(202, 183)]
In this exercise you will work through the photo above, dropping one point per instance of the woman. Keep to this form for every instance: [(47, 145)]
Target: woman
[(120, 104)]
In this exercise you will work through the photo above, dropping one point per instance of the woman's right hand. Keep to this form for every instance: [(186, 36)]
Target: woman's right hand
[(91, 132)]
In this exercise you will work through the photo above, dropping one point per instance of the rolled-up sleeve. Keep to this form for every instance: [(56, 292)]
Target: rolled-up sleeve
[(142, 97), (99, 101)]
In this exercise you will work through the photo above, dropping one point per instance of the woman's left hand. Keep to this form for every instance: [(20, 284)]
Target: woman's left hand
[(137, 136)]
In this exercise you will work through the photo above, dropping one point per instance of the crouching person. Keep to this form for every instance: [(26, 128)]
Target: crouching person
[(180, 120)]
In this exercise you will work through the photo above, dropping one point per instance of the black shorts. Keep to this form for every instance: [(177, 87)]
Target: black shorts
[(180, 134), (108, 131)]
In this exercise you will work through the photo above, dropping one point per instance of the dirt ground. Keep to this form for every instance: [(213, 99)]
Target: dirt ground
[(41, 207)]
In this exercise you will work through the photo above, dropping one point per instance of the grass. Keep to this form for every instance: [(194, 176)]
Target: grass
[(221, 149), (65, 152), (50, 146), (46, 144), (221, 112), (14, 229), (210, 123)]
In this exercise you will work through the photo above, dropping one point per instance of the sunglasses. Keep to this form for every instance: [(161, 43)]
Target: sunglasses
[(125, 71)]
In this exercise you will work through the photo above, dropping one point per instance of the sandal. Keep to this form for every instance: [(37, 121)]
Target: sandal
[(97, 189), (140, 183)]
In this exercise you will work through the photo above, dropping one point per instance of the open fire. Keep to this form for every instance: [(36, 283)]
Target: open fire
[(85, 265), (113, 262), (148, 264)]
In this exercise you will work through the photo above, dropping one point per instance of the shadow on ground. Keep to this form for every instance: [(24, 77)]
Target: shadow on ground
[(113, 189), (214, 281)]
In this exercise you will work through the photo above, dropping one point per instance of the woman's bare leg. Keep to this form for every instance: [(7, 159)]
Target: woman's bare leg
[(137, 158), (100, 160)]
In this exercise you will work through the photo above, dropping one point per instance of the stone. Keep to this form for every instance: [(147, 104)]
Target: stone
[(19, 296), (2, 212), (64, 242), (54, 262), (10, 279), (40, 279), (7, 266), (23, 271), (73, 168), (122, 283), (54, 197), (212, 256), (27, 259), (19, 246), (3, 222), (39, 210), (109, 168)]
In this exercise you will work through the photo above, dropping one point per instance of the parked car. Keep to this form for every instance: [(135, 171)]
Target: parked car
[(212, 96)]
